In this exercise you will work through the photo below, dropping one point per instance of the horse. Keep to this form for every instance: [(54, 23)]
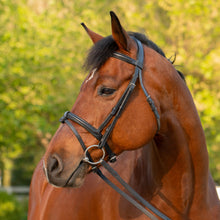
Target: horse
[(146, 118)]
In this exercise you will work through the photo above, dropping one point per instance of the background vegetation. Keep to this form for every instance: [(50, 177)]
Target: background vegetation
[(43, 47), (11, 208)]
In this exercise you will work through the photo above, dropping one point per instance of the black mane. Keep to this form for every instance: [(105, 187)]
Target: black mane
[(105, 48)]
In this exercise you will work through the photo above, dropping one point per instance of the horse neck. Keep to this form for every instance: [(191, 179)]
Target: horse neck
[(181, 157), (181, 142)]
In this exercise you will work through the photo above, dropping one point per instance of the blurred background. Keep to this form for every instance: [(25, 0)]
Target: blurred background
[(42, 49)]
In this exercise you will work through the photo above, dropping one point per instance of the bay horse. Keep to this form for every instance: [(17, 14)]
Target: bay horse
[(145, 117)]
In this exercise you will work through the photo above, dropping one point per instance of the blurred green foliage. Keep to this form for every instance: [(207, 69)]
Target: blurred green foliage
[(42, 50), (11, 209)]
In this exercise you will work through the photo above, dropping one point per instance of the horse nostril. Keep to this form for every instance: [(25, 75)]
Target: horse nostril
[(55, 164)]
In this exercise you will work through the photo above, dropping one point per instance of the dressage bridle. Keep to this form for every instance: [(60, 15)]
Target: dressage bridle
[(103, 138)]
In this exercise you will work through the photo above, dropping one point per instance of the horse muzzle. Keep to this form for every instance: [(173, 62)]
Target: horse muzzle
[(59, 175)]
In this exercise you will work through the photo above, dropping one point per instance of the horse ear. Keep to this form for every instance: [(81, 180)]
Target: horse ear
[(120, 36), (94, 37)]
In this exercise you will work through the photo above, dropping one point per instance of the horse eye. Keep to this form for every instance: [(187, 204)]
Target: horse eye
[(104, 91)]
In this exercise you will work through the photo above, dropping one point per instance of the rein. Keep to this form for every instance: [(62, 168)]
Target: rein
[(103, 138)]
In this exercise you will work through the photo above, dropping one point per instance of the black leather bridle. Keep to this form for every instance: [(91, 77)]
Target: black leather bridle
[(103, 138)]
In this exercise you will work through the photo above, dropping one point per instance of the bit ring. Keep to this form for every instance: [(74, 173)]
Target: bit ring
[(86, 158)]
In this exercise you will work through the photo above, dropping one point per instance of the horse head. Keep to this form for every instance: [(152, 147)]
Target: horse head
[(107, 84)]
